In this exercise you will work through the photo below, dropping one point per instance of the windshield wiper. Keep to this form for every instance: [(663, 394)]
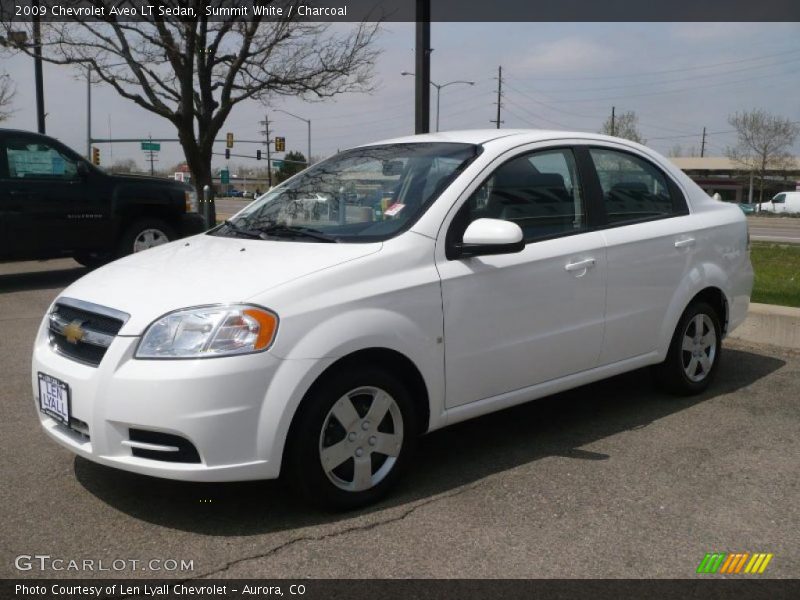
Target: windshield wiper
[(251, 233), (279, 229)]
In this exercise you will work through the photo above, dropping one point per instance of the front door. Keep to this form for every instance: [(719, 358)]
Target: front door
[(516, 320)]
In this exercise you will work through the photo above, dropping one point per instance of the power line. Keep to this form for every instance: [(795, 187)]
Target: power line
[(677, 70)]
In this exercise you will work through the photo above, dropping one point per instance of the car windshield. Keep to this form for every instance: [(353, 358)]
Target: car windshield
[(364, 194)]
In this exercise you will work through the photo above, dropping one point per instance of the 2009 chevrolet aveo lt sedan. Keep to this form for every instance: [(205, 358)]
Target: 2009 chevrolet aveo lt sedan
[(386, 292)]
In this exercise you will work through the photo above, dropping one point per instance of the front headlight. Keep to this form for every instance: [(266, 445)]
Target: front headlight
[(209, 331)]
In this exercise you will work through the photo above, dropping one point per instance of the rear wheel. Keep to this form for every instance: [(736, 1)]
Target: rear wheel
[(145, 234), (93, 260), (694, 352), (353, 438)]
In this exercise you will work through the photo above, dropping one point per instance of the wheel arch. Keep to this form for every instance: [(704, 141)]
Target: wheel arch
[(382, 357), (706, 283)]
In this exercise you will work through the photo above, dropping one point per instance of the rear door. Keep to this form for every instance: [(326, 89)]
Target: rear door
[(50, 209), (649, 249)]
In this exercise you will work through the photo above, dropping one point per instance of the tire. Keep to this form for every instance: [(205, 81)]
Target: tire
[(143, 234), (92, 260), (690, 368), (334, 458)]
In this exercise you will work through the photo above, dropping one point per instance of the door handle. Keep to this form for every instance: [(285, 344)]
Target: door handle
[(685, 243), (581, 265)]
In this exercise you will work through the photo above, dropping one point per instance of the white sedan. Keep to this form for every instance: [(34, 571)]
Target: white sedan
[(443, 277)]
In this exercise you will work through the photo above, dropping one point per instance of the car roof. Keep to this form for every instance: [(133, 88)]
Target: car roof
[(483, 136)]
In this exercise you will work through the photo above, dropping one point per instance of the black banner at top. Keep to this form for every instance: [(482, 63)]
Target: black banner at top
[(442, 11)]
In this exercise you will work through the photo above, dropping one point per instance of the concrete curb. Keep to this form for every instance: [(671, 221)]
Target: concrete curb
[(770, 324)]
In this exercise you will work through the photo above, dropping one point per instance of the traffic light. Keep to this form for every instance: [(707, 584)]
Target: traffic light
[(229, 140), (227, 153), (258, 154), (95, 155), (280, 144)]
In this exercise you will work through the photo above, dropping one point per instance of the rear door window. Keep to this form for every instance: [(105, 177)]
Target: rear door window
[(633, 188)]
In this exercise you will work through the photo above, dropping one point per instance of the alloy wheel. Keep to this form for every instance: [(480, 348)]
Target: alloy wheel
[(149, 238), (699, 347), (361, 439)]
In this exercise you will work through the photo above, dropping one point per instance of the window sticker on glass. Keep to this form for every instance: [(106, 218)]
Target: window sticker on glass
[(394, 209), (58, 165)]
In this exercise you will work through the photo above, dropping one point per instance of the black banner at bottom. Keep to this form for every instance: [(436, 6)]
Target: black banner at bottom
[(401, 589)]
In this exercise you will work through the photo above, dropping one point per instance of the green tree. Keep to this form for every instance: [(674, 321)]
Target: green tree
[(290, 168)]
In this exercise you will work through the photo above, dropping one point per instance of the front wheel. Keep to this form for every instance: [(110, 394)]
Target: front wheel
[(354, 435), (694, 352), (145, 234)]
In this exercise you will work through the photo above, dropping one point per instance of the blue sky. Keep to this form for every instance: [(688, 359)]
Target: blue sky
[(679, 77)]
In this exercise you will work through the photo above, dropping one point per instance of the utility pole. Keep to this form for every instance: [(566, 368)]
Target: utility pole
[(422, 87), (703, 144), (89, 113), (265, 131), (497, 121), (37, 67), (152, 170), (613, 120)]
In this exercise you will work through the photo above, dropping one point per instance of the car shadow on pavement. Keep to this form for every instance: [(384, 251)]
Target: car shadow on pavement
[(40, 280), (445, 461)]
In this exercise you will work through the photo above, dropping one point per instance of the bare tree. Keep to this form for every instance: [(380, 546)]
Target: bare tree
[(764, 142), (625, 125), (676, 151), (7, 92), (194, 70)]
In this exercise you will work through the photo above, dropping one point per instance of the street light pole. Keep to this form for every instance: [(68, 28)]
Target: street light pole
[(308, 122), (439, 91)]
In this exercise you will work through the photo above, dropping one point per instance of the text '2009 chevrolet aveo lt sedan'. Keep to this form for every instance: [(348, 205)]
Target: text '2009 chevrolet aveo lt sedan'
[(388, 291)]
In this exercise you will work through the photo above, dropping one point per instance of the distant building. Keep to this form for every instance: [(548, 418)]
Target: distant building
[(727, 178)]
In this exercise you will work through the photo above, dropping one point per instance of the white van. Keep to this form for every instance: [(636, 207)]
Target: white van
[(785, 202)]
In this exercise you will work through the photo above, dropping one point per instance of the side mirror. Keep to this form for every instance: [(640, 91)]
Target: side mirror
[(82, 169), (491, 236)]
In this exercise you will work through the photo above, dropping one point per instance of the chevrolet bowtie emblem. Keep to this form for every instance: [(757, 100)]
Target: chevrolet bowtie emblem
[(74, 332)]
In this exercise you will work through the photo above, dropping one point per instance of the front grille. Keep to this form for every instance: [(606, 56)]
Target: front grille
[(83, 331), (185, 453)]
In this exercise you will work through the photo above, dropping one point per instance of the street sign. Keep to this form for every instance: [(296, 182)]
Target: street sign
[(151, 146), (229, 140), (278, 164), (225, 176)]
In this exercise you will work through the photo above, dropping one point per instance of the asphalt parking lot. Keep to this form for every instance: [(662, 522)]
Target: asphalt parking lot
[(615, 479)]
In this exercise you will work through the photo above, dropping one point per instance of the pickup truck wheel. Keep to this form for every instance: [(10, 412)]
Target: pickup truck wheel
[(93, 260), (145, 234), (353, 438), (694, 352)]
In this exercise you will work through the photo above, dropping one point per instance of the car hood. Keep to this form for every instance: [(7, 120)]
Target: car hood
[(204, 269)]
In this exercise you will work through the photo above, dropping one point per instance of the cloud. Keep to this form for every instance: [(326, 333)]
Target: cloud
[(706, 32), (566, 55)]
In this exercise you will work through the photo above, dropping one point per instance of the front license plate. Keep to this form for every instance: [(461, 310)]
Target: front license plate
[(54, 398)]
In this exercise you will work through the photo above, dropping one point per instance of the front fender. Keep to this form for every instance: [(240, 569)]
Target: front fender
[(335, 338)]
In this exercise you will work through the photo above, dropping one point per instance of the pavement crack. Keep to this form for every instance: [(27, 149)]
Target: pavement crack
[(355, 528)]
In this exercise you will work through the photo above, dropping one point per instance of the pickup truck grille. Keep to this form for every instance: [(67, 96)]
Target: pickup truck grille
[(83, 331)]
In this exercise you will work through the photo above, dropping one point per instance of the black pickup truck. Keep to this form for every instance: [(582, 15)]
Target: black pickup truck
[(53, 203)]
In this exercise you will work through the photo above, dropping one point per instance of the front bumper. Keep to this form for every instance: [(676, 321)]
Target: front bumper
[(220, 405)]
